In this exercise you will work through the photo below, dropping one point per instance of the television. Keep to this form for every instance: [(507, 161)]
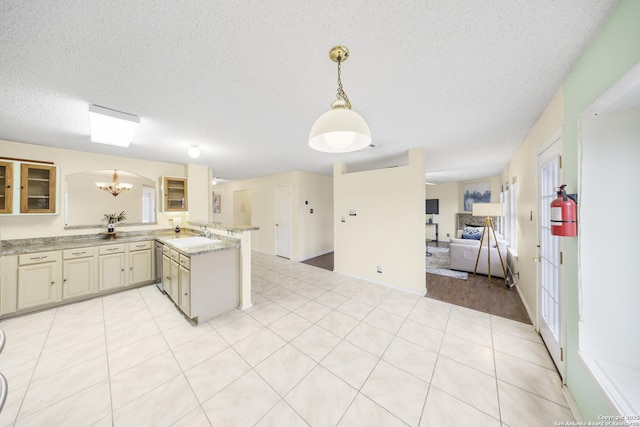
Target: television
[(431, 206)]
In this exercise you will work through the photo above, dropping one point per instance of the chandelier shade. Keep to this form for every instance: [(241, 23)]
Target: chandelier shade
[(114, 188)]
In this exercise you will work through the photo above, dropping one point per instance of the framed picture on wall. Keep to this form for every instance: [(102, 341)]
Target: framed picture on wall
[(479, 192), (216, 203)]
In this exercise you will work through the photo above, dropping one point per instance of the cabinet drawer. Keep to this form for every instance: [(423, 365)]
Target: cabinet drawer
[(78, 253), (138, 246), (111, 249), (175, 255), (27, 259), (166, 250), (185, 261)]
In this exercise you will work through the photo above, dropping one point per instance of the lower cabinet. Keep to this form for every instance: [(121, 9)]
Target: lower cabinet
[(184, 282), (78, 272), (139, 263), (38, 279), (174, 272), (111, 267)]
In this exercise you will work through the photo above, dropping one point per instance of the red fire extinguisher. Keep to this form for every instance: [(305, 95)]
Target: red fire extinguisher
[(564, 214)]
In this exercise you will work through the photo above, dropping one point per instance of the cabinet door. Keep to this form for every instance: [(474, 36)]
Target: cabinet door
[(139, 266), (37, 188), (37, 284), (175, 194), (6, 188), (77, 277), (111, 271), (166, 274), (174, 291), (185, 290)]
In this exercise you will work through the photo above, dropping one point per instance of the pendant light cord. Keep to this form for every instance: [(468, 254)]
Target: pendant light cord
[(341, 93)]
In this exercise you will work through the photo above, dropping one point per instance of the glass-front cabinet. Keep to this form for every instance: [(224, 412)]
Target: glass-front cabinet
[(37, 188), (6, 187), (175, 194)]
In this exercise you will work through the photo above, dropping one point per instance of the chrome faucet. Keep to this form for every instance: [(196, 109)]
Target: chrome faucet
[(206, 233)]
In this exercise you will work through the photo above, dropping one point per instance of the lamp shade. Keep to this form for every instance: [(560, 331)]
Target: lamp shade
[(339, 130), (487, 209)]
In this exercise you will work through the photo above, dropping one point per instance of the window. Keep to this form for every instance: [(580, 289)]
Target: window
[(509, 197)]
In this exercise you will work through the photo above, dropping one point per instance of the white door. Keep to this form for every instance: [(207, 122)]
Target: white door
[(550, 284), (283, 221)]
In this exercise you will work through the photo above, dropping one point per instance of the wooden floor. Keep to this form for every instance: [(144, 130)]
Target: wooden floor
[(472, 293)]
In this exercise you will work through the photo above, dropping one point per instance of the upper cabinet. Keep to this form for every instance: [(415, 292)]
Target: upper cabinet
[(28, 188), (6, 187), (37, 188), (175, 194)]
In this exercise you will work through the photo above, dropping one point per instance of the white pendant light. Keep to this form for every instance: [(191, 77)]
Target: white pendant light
[(339, 130)]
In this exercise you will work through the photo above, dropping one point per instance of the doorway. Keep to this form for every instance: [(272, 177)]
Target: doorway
[(283, 221), (549, 278)]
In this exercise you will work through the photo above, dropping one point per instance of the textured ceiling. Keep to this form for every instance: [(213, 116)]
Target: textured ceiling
[(245, 79)]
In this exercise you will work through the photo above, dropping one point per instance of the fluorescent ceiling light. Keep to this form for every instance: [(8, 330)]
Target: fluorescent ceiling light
[(112, 127)]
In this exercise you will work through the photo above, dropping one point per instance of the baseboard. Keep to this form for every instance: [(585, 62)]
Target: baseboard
[(244, 307), (534, 321), (573, 405)]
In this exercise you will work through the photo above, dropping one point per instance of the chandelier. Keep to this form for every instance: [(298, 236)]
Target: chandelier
[(339, 130), (115, 187)]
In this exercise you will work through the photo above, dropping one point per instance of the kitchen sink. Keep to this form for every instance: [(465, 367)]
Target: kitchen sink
[(186, 242)]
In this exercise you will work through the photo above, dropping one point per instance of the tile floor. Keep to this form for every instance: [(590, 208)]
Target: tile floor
[(317, 348)]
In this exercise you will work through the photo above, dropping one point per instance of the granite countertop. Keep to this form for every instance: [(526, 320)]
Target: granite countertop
[(25, 246)]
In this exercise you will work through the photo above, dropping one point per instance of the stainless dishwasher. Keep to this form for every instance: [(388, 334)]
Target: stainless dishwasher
[(158, 278)]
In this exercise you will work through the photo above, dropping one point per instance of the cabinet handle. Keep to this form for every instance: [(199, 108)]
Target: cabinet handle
[(64, 280), (53, 282), (79, 253), (131, 268), (122, 270)]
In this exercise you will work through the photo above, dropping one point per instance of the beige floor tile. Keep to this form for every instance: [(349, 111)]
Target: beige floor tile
[(313, 311), (512, 327), (215, 373), (164, 405), (365, 412), (282, 415), (293, 301), (290, 326), (12, 405), (131, 334), (131, 355), (269, 313), (53, 363), (443, 409), (258, 346), (70, 337), (467, 384), (338, 324), (239, 329), (332, 299), (397, 391), (242, 403), (315, 342), (471, 316), (199, 349), (82, 408), (142, 378), (469, 353), (355, 309), (522, 348), (384, 320), (185, 332), (285, 368), (321, 398), (396, 306), (19, 376), (195, 418), (350, 363), (422, 335), (470, 331), (426, 316), (523, 409), (229, 316), (411, 358), (369, 338)]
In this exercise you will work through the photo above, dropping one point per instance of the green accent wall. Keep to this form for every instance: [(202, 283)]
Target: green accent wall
[(614, 51)]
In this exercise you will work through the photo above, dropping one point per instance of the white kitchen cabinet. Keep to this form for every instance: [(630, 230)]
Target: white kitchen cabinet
[(166, 274), (174, 290), (78, 272), (140, 267), (38, 279), (111, 267), (184, 281)]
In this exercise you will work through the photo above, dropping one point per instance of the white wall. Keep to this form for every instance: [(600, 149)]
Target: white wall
[(71, 162), (388, 228), (608, 207), (523, 166), (310, 234), (198, 193), (449, 196)]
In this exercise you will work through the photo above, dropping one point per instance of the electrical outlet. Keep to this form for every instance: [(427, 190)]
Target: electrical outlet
[(379, 269), (448, 234)]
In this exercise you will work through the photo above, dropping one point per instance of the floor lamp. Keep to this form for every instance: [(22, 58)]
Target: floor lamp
[(488, 210)]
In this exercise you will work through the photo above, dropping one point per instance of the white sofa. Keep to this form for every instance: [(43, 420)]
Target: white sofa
[(464, 252)]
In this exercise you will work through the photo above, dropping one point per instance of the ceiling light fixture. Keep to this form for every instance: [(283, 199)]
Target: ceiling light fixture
[(214, 180), (115, 187), (111, 126), (193, 151), (339, 130)]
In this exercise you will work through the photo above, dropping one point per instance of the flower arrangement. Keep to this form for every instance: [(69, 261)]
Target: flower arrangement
[(112, 219)]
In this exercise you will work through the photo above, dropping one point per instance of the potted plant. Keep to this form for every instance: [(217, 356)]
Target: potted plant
[(112, 219)]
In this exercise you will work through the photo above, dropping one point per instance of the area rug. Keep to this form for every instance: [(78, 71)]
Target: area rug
[(438, 263)]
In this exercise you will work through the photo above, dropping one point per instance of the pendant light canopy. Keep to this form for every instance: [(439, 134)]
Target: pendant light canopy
[(339, 130)]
